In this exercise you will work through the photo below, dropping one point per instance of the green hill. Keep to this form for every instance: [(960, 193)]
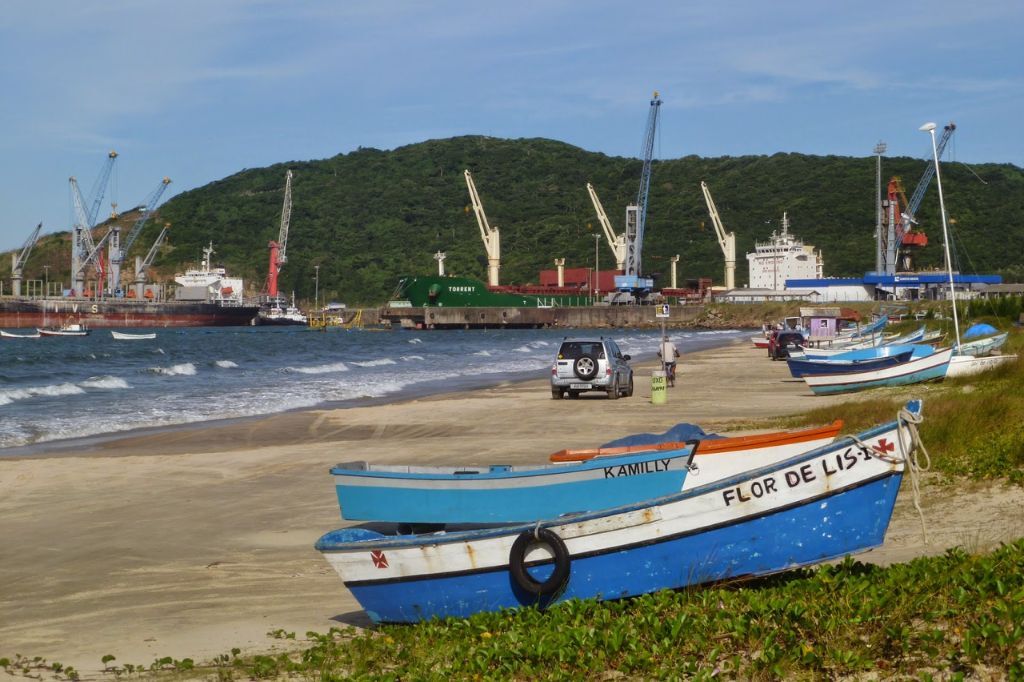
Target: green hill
[(370, 216)]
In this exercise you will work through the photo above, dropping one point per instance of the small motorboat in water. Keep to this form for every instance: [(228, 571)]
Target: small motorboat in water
[(66, 329), (11, 335)]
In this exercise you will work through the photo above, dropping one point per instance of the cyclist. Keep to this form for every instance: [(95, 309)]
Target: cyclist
[(668, 353)]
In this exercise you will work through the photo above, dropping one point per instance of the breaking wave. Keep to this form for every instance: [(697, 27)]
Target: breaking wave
[(186, 369)]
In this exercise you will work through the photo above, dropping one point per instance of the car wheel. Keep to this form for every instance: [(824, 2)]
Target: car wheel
[(585, 367), (557, 393), (629, 388), (613, 390)]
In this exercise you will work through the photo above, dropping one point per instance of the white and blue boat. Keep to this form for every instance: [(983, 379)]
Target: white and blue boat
[(800, 367), (914, 371), (813, 507), (918, 350), (505, 493)]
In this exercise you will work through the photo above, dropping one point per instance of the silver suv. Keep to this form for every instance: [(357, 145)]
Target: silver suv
[(590, 364)]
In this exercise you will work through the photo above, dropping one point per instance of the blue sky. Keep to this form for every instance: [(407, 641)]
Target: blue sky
[(199, 89)]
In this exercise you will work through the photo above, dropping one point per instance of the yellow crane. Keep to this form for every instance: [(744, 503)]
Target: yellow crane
[(726, 240)]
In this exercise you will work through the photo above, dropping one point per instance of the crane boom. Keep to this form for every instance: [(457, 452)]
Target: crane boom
[(726, 240), (616, 242), (99, 188), (26, 249), (926, 178), (286, 217), (141, 266), (490, 235), (636, 215), (147, 212)]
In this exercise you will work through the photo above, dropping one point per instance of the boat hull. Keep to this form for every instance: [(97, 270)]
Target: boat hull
[(916, 371), (816, 506), (23, 313), (801, 368), (502, 494)]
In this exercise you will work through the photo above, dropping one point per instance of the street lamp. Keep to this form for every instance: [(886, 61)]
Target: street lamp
[(316, 295), (46, 280), (930, 129), (597, 270)]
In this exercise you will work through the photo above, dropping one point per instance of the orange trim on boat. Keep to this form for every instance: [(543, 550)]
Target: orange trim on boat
[(711, 446)]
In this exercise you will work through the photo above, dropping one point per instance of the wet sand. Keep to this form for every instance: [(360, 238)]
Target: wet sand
[(190, 542)]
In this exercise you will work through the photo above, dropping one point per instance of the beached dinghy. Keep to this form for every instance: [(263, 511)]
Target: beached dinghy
[(914, 371), (802, 367), (720, 458), (505, 493), (123, 336), (579, 480), (816, 506)]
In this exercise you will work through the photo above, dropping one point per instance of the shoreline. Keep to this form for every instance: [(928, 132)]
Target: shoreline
[(114, 443), (205, 542)]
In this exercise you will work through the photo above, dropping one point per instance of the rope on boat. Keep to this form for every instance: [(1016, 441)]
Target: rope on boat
[(913, 454)]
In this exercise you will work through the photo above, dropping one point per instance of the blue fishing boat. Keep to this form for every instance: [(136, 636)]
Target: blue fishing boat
[(816, 506), (913, 371), (504, 493), (917, 350), (799, 367)]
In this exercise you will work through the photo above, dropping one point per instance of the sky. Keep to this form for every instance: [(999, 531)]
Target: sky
[(196, 90)]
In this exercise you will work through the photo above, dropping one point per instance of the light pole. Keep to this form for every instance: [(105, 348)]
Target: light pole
[(46, 280), (597, 270), (930, 128), (316, 295), (880, 266)]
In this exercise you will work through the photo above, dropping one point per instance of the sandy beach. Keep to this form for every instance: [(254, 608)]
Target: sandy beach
[(192, 541)]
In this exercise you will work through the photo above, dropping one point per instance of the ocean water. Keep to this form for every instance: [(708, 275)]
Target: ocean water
[(61, 388)]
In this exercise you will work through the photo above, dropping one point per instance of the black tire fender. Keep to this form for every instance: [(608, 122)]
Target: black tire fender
[(585, 367), (517, 564)]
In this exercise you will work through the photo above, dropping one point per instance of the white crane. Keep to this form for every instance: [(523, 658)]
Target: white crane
[(142, 264), (616, 242), (117, 251), (18, 260), (83, 250), (726, 240), (490, 235)]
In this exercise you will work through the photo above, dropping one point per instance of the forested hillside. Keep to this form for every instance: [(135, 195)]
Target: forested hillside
[(370, 216)]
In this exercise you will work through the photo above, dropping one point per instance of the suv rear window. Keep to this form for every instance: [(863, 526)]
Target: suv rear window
[(571, 350)]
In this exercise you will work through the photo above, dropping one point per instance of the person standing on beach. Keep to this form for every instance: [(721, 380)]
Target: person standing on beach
[(668, 353)]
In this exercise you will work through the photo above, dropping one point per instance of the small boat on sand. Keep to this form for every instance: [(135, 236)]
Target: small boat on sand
[(578, 480), (12, 335), (819, 505), (123, 336)]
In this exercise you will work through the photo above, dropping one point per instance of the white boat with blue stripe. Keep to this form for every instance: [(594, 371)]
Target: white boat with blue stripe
[(815, 506), (914, 371)]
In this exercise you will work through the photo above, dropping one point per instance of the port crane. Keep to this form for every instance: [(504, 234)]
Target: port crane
[(18, 260), (142, 264), (726, 240), (278, 249), (83, 249), (616, 242), (490, 235), (636, 214), (116, 251), (899, 237)]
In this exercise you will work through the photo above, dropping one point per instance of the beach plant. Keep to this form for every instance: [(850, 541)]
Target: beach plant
[(949, 616)]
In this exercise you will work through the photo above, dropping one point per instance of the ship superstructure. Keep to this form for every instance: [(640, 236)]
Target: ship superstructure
[(209, 284), (783, 257)]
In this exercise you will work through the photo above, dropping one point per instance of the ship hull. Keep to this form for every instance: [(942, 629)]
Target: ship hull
[(31, 313)]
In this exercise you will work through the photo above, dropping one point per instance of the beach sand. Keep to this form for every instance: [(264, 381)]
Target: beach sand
[(188, 542)]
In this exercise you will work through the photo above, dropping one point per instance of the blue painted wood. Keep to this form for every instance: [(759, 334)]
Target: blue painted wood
[(913, 371), (504, 494), (800, 536), (799, 368)]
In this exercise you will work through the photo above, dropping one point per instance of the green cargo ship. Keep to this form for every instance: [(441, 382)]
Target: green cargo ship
[(435, 291)]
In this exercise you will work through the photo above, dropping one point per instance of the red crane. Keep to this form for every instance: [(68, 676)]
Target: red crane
[(278, 249)]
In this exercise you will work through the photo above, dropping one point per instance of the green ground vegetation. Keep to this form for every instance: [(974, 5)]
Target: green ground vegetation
[(369, 216), (955, 616)]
